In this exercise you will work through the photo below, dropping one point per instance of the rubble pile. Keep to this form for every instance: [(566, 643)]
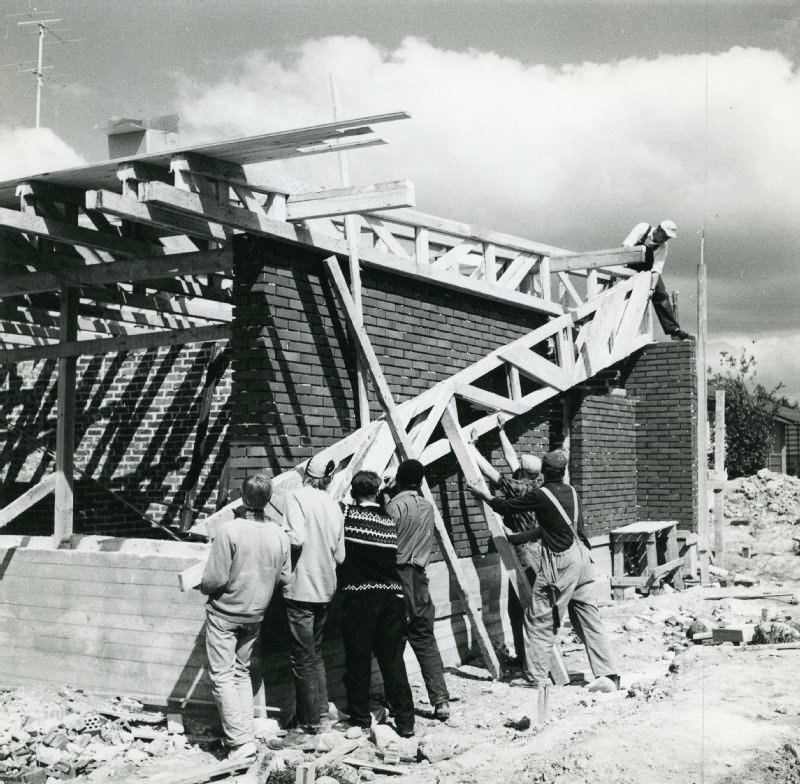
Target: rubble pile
[(764, 499), (49, 737)]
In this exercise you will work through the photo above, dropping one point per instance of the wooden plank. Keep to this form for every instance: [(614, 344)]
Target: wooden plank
[(65, 417), (406, 447), (357, 198), (133, 210), (58, 231), (31, 496), (595, 259), (536, 367), (401, 264), (570, 289), (631, 321), (488, 400), (149, 268), (457, 255), (473, 475), (721, 475), (516, 271), (138, 342)]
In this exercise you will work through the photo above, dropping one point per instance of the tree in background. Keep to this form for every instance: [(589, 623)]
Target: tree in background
[(750, 410)]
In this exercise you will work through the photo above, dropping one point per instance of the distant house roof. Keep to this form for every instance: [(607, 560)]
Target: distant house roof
[(789, 415)]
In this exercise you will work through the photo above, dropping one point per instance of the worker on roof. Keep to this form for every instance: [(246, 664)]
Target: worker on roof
[(654, 240), (564, 582)]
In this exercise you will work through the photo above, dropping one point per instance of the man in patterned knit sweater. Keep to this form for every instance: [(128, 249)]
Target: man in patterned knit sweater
[(373, 611)]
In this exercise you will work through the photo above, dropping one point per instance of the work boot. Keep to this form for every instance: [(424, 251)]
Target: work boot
[(442, 711), (524, 682), (680, 334), (243, 752)]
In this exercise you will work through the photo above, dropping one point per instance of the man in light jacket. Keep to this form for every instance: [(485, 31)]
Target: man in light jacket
[(315, 526)]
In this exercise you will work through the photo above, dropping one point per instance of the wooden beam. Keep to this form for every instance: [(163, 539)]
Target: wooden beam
[(133, 210), (58, 231), (720, 477), (595, 259), (138, 342), (150, 268), (27, 499), (190, 307), (473, 475), (343, 201), (65, 419), (536, 367), (253, 223), (488, 400), (407, 450)]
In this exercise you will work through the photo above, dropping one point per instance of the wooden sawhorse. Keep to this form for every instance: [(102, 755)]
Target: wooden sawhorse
[(646, 531)]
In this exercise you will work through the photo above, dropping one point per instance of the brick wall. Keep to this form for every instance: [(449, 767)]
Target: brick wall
[(293, 365), (135, 430), (603, 461), (662, 379)]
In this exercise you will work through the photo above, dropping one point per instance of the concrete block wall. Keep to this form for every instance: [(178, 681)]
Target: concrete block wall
[(135, 427)]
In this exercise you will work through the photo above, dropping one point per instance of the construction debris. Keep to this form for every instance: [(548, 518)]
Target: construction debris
[(763, 500)]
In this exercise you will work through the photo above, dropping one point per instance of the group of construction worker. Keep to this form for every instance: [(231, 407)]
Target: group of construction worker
[(374, 551)]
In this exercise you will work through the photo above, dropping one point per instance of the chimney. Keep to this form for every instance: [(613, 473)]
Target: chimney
[(128, 137)]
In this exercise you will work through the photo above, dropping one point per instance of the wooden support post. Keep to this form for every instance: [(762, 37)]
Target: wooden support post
[(702, 416), (473, 475), (352, 233), (720, 477), (65, 423), (407, 450)]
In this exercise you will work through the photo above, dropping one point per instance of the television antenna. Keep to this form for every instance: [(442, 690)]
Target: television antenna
[(43, 30)]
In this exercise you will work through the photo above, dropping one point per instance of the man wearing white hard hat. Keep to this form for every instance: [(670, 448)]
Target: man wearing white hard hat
[(654, 239)]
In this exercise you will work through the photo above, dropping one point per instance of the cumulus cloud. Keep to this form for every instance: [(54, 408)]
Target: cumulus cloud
[(572, 155), (26, 151)]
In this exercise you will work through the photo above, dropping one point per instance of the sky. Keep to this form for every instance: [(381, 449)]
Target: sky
[(563, 122)]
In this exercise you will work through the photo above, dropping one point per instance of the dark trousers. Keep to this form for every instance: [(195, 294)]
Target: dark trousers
[(420, 615), (373, 623), (663, 308), (306, 623)]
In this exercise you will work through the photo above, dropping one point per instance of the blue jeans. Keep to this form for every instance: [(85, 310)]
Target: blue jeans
[(306, 624), (229, 646)]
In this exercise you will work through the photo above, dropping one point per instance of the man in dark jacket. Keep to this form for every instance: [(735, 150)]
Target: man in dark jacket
[(565, 583)]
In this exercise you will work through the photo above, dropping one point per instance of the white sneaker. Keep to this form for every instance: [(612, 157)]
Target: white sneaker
[(243, 752)]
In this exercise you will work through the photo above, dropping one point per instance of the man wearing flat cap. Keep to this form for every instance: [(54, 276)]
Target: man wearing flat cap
[(413, 516), (654, 239), (564, 583)]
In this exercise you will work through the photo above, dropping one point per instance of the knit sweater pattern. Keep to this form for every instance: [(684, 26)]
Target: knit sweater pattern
[(370, 541)]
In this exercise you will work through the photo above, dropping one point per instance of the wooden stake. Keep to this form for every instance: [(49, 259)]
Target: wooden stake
[(65, 423), (407, 451), (702, 416), (720, 477)]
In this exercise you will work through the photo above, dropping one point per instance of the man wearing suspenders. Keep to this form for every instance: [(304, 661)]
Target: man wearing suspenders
[(565, 582)]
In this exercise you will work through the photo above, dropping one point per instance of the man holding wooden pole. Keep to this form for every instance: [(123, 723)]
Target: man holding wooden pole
[(564, 583)]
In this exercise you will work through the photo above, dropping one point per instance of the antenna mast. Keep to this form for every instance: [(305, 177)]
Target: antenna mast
[(43, 28)]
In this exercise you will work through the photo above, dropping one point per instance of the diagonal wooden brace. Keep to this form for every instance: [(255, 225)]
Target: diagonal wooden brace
[(408, 451)]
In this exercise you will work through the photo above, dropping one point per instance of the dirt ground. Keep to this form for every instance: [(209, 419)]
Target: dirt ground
[(688, 713)]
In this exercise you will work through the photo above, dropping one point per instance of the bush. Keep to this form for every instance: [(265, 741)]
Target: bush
[(750, 411)]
